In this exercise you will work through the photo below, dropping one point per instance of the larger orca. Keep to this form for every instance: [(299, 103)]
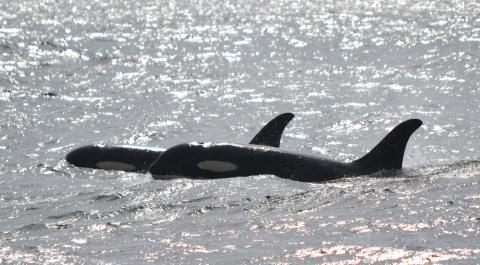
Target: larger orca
[(139, 158), (223, 160)]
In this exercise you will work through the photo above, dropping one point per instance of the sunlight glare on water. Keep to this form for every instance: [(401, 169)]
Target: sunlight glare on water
[(159, 73)]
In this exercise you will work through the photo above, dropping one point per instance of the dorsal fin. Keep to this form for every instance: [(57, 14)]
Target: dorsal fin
[(271, 133), (388, 154)]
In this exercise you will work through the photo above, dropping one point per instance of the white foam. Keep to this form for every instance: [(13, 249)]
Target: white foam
[(166, 177), (135, 147), (154, 149)]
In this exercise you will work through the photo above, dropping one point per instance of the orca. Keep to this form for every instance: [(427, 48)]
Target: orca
[(124, 157), (139, 158), (224, 160)]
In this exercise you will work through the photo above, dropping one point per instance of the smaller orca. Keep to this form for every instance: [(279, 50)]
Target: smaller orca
[(124, 157), (223, 160), (139, 158)]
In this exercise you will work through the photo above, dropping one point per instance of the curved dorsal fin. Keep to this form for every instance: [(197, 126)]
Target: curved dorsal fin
[(388, 154), (271, 133)]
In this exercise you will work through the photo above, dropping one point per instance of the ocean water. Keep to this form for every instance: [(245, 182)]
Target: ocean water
[(159, 73)]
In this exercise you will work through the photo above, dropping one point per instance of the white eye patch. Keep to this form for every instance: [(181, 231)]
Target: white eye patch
[(112, 165), (217, 166)]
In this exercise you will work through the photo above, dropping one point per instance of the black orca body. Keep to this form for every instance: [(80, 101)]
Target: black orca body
[(210, 161), (139, 158), (124, 157)]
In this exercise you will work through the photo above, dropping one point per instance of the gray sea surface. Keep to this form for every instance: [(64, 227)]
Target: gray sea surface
[(159, 73)]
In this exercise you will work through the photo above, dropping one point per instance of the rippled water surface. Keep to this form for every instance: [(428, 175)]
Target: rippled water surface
[(158, 73)]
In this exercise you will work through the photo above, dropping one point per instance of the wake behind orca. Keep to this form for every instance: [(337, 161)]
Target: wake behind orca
[(223, 160)]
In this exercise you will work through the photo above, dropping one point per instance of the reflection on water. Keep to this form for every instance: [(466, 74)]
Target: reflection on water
[(160, 73)]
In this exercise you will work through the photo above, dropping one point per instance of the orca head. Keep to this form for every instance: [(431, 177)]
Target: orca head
[(105, 157), (85, 156), (194, 160)]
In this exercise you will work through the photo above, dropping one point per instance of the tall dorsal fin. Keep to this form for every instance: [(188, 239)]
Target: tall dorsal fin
[(271, 133), (388, 154)]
